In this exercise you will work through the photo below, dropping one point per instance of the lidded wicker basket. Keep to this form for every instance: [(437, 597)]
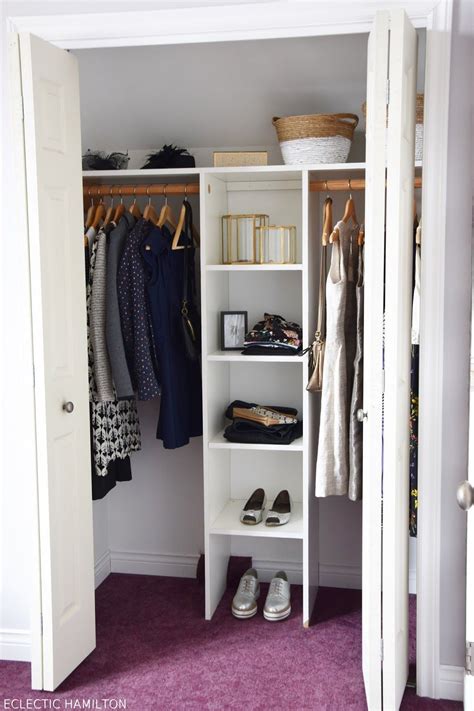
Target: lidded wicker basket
[(419, 114), (315, 138)]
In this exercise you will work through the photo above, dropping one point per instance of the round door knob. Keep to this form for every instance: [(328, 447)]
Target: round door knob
[(68, 406), (361, 415), (465, 495)]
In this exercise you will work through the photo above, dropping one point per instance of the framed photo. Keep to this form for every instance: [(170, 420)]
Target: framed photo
[(233, 330)]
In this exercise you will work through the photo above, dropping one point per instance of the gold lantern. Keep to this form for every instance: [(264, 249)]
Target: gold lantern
[(239, 235), (276, 244)]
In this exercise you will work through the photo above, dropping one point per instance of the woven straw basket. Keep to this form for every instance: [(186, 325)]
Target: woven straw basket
[(317, 138), (419, 124)]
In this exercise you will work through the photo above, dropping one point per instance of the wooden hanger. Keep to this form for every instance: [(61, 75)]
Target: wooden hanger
[(134, 209), (149, 213), (110, 211), (90, 213), (99, 214), (327, 221), (119, 210), (166, 214), (182, 218), (361, 236), (349, 213)]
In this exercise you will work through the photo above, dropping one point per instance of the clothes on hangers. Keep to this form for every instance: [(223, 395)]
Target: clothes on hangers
[(414, 392), (113, 327), (135, 318), (102, 369), (180, 414), (332, 466), (115, 428), (355, 427)]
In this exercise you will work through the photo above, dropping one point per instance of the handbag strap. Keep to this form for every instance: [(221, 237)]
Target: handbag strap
[(321, 324)]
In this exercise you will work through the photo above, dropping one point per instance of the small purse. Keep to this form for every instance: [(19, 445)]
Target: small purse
[(316, 350), (190, 321)]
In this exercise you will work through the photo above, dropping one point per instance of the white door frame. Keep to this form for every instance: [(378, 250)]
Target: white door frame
[(227, 22)]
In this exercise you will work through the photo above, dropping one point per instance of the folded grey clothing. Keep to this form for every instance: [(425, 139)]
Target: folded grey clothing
[(249, 432)]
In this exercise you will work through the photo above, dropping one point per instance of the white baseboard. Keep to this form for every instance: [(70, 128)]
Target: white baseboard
[(451, 682), (102, 568), (135, 563), (340, 576), (267, 569), (15, 645)]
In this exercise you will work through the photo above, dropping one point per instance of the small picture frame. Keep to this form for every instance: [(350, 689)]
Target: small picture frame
[(233, 330)]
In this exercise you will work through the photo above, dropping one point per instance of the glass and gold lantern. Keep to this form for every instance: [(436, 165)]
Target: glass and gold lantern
[(276, 244), (239, 235)]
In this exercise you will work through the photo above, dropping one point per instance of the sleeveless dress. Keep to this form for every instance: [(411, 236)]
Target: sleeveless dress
[(355, 427), (332, 465)]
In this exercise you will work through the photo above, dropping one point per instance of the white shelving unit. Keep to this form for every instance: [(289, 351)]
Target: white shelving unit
[(233, 470)]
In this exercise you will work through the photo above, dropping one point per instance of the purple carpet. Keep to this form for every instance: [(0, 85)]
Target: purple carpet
[(155, 650)]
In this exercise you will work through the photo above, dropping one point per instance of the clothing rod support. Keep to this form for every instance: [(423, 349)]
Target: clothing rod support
[(328, 186), (117, 190)]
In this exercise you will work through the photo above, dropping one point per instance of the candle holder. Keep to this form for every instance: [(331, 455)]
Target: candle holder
[(239, 238), (276, 244)]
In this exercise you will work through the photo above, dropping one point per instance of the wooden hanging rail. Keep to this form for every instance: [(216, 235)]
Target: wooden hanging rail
[(117, 190), (344, 184)]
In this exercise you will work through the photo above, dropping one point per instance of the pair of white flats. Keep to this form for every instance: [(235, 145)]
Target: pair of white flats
[(278, 515)]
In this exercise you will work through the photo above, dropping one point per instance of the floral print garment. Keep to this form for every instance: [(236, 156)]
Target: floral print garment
[(275, 331)]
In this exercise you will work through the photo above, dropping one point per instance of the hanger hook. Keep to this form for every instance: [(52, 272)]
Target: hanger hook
[(164, 193), (326, 188), (121, 196), (186, 191), (91, 197), (148, 193), (112, 195), (134, 194), (350, 187)]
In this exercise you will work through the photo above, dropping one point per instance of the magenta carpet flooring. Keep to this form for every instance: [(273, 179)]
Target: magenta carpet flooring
[(155, 650)]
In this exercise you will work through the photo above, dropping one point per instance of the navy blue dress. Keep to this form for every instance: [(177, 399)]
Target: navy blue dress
[(181, 399)]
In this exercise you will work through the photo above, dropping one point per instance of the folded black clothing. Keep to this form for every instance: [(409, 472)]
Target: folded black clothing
[(275, 330), (273, 351), (249, 432), (241, 403)]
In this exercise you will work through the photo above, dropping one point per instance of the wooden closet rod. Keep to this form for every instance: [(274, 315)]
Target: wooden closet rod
[(329, 186), (116, 190)]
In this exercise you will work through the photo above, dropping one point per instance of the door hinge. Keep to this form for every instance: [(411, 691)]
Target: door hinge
[(469, 657), (387, 94), (381, 650)]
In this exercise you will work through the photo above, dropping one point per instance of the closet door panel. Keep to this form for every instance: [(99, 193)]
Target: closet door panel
[(373, 361), (398, 301), (50, 88)]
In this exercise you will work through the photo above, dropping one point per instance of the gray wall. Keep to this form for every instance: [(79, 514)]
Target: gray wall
[(457, 341)]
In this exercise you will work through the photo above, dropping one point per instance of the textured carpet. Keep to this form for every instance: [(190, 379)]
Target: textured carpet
[(155, 650)]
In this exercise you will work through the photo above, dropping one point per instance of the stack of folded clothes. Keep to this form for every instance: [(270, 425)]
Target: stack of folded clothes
[(274, 336), (262, 424)]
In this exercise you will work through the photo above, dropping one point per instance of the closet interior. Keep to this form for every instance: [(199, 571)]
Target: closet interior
[(185, 502)]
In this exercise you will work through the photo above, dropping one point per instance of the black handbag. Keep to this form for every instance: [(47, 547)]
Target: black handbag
[(190, 319)]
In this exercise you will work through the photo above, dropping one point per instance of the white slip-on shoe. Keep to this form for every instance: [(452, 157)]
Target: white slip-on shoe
[(244, 604), (280, 510), (252, 513), (278, 602)]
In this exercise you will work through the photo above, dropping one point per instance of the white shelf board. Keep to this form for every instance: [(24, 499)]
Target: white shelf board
[(257, 172), (219, 442), (238, 357), (227, 523), (254, 267)]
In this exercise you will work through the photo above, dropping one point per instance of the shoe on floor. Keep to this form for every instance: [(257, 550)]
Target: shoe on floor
[(252, 513), (245, 599), (280, 510), (278, 602)]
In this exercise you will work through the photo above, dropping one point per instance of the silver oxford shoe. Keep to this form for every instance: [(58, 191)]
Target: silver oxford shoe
[(278, 602), (245, 599)]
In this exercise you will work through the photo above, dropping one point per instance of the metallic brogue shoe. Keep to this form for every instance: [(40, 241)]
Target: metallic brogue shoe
[(278, 602), (245, 599), (252, 513), (280, 510)]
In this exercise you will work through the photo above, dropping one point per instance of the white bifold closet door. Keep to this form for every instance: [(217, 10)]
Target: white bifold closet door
[(50, 87), (391, 92)]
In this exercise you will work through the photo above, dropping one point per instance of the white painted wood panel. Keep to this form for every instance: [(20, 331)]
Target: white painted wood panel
[(373, 361), (398, 305), (53, 171)]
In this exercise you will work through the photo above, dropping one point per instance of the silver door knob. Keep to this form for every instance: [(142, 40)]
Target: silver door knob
[(361, 415), (68, 406), (465, 495)]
